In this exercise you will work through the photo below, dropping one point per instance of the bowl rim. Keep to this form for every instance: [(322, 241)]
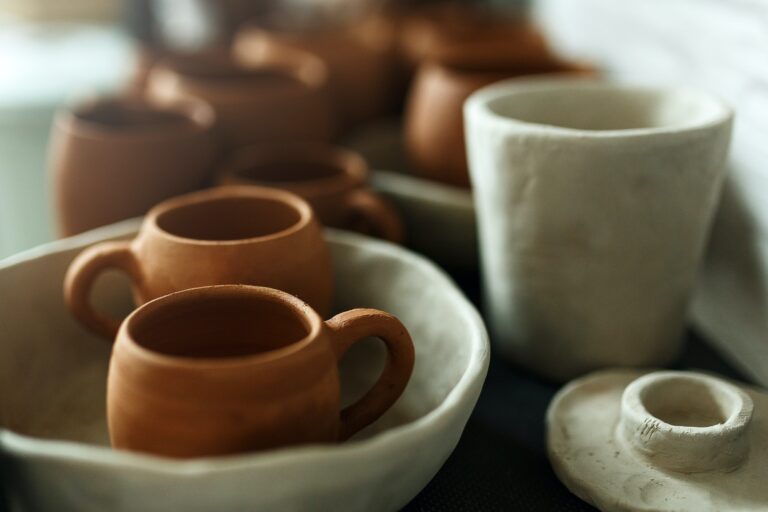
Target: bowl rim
[(466, 390)]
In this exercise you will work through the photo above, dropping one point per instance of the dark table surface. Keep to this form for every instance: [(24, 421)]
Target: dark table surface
[(500, 462)]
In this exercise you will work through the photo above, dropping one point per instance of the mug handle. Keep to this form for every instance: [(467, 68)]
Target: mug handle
[(352, 326), (81, 275), (379, 213)]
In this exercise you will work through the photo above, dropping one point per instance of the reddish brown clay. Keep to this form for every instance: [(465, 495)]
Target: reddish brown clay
[(228, 235), (331, 179), (434, 125), (361, 58), (115, 158), (447, 32), (228, 369), (280, 95)]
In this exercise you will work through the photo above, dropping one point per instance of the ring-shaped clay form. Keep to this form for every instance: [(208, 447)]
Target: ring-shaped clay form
[(663, 441)]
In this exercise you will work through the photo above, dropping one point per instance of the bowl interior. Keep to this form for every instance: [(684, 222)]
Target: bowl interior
[(57, 371)]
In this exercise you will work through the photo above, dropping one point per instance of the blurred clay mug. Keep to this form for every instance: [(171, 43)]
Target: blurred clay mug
[(281, 94), (227, 369), (434, 122), (115, 158), (227, 235), (594, 205), (331, 179)]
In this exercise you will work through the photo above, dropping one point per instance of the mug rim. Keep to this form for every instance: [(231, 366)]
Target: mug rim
[(479, 105), (305, 69), (306, 214), (351, 166), (302, 311), (198, 117)]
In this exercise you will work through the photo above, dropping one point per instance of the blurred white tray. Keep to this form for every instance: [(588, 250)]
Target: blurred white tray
[(54, 452)]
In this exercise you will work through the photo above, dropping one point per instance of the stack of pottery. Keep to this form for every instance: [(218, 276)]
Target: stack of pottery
[(456, 56), (360, 57), (281, 94), (232, 285)]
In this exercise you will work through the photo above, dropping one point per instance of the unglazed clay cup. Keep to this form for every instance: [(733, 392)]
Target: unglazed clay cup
[(594, 204), (333, 180), (360, 56), (114, 158), (434, 125), (230, 369), (280, 95), (227, 235)]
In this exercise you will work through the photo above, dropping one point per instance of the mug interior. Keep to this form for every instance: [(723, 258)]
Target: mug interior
[(217, 325), (115, 115), (230, 218), (599, 107)]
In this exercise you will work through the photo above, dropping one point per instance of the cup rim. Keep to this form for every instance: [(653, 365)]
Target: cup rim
[(352, 167), (307, 70), (304, 313), (479, 105), (306, 214), (198, 115)]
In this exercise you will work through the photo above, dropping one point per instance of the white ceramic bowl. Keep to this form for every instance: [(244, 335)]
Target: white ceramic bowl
[(439, 219), (53, 443)]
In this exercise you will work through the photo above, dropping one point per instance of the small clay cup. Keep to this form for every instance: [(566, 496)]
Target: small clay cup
[(114, 158), (360, 56), (280, 95), (331, 179), (434, 125), (229, 369), (228, 235)]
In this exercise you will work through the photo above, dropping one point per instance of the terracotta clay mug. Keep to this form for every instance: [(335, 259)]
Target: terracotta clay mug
[(228, 235), (331, 179), (227, 369), (434, 125), (280, 95), (114, 158)]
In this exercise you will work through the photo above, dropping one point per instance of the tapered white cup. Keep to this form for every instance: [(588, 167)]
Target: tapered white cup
[(594, 204)]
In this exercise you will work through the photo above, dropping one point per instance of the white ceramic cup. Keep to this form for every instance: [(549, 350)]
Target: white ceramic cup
[(594, 204)]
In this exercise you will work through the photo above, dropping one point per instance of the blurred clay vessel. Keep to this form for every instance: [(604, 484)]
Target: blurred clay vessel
[(455, 57), (360, 56), (332, 179), (114, 158), (281, 94)]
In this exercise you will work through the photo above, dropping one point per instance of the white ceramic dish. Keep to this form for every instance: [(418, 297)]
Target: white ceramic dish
[(439, 219), (54, 452)]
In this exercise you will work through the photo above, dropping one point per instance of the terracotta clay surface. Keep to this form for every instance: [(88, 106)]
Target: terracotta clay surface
[(228, 235), (114, 158), (53, 429), (434, 124), (663, 441), (281, 94), (234, 368), (445, 32), (360, 56), (594, 203), (333, 180)]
